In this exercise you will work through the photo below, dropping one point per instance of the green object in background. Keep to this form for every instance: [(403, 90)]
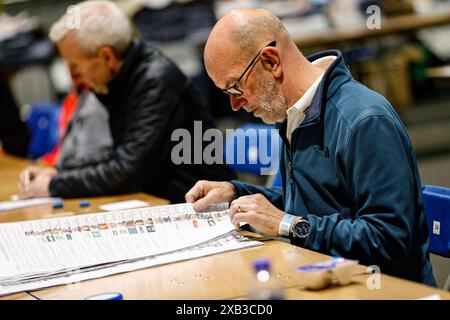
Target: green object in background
[(418, 70)]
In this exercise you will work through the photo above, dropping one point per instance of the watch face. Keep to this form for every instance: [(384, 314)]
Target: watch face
[(301, 229)]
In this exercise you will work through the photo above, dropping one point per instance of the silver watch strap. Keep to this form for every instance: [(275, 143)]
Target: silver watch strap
[(285, 225)]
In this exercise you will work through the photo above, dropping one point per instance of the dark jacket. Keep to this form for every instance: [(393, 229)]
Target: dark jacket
[(147, 101), (352, 172), (14, 134)]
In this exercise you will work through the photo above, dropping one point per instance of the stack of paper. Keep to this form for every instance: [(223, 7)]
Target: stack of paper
[(41, 253), (19, 204)]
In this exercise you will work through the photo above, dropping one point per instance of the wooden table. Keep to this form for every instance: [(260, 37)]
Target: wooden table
[(221, 276), (225, 276), (10, 168)]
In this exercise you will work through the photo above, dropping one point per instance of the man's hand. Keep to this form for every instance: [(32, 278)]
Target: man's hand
[(258, 212), (204, 193), (34, 182)]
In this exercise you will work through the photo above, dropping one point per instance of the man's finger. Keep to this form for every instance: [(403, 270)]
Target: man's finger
[(24, 179), (20, 187), (208, 199), (34, 171), (192, 195), (195, 193), (242, 218), (237, 206), (25, 195), (189, 197)]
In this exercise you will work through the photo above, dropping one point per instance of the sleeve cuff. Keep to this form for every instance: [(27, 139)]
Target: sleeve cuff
[(312, 231), (238, 186), (52, 187)]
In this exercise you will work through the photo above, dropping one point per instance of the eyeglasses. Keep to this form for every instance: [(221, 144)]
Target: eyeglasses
[(233, 90)]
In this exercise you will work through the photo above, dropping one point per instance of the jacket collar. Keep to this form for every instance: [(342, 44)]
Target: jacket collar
[(116, 85), (335, 76)]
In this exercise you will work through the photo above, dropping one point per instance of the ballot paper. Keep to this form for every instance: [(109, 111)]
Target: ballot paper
[(19, 204), (124, 205), (41, 253), (229, 242)]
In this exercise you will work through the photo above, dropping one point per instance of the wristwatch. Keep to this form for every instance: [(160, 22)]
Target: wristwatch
[(299, 231)]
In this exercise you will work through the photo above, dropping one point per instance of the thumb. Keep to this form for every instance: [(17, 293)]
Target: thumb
[(32, 172)]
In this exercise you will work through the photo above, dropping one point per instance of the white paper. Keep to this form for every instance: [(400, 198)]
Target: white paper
[(124, 205), (19, 204), (229, 242), (40, 253)]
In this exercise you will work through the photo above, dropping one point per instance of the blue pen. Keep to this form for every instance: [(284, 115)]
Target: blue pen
[(58, 204), (84, 203), (106, 296)]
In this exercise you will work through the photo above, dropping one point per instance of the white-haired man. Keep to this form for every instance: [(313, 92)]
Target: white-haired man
[(147, 97)]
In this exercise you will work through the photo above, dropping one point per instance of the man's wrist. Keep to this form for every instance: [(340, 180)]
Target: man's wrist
[(233, 190), (52, 188)]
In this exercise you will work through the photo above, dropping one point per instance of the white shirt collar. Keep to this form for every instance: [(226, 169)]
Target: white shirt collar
[(297, 113)]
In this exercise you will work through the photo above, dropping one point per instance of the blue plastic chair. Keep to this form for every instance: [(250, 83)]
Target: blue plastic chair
[(251, 148), (437, 210), (43, 124), (277, 180)]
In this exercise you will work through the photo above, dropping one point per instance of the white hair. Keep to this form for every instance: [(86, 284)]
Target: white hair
[(96, 23)]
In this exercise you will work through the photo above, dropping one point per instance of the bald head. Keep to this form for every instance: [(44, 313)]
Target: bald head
[(249, 28), (265, 84), (238, 35), (244, 31)]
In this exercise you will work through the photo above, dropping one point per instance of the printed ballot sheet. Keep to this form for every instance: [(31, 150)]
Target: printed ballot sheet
[(229, 242), (40, 253)]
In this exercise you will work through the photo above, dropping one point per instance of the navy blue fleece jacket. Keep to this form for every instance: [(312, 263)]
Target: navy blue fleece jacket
[(352, 172)]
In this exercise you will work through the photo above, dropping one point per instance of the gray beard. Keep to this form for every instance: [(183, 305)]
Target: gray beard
[(272, 102)]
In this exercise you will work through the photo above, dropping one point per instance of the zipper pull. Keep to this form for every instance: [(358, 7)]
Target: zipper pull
[(291, 177)]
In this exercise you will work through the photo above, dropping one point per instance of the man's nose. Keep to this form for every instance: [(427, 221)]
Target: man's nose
[(237, 102)]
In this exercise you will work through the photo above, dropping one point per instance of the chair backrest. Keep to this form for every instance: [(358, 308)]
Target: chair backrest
[(42, 121), (437, 209), (253, 147), (277, 180)]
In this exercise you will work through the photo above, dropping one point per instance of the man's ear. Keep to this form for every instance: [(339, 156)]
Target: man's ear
[(108, 55), (270, 59)]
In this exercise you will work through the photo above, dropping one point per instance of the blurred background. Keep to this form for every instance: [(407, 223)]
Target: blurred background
[(399, 48)]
